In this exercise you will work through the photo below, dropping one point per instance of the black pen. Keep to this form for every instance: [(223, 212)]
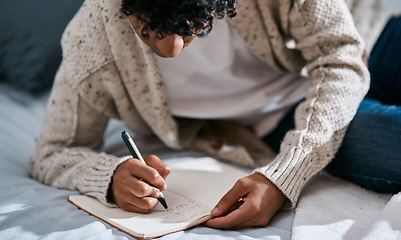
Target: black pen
[(134, 151)]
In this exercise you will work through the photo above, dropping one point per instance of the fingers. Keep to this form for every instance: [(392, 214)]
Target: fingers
[(261, 200), (230, 220), (155, 162), (232, 204), (248, 214), (249, 223), (141, 189), (230, 200), (133, 208), (133, 203), (136, 186), (146, 173)]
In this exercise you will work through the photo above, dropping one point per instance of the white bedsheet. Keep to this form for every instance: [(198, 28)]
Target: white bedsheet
[(333, 209), (31, 210)]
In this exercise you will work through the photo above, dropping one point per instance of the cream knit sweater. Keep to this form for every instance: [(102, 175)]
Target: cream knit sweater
[(369, 17), (107, 72)]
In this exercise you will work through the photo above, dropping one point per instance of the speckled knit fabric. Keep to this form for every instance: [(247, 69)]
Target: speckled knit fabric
[(107, 72), (370, 18)]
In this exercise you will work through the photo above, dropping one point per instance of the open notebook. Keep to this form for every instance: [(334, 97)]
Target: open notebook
[(194, 188)]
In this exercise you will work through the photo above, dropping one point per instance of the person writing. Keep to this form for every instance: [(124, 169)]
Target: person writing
[(224, 77)]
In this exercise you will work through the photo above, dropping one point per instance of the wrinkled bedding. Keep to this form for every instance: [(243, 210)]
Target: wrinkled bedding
[(31, 210), (333, 209)]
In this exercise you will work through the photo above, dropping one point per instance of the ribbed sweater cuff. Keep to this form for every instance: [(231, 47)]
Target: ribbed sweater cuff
[(96, 184), (289, 172)]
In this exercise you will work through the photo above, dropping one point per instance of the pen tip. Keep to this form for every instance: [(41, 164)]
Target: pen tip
[(162, 200)]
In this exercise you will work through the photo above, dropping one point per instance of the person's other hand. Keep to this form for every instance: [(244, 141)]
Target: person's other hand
[(251, 202), (365, 58), (136, 186)]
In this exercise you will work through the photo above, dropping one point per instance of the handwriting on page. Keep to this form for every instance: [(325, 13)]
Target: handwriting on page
[(181, 210), (185, 211)]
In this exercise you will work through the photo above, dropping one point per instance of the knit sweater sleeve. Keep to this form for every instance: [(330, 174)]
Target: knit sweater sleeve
[(66, 154), (325, 34)]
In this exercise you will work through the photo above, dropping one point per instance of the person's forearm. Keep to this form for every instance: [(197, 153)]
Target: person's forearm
[(338, 82), (65, 155), (75, 169)]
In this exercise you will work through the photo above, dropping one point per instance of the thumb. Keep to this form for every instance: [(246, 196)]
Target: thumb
[(231, 200)]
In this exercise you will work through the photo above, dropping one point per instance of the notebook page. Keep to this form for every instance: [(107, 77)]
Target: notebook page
[(182, 213), (204, 180), (194, 187)]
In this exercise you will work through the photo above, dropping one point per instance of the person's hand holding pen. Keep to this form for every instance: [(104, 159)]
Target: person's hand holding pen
[(136, 187)]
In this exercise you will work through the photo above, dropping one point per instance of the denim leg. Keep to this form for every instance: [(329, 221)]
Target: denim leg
[(384, 64), (370, 155)]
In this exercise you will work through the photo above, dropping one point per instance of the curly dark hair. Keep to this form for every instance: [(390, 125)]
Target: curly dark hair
[(181, 17)]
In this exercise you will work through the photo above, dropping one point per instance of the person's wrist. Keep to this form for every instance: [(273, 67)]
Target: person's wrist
[(109, 195)]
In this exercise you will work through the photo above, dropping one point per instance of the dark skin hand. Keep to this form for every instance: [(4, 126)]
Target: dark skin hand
[(136, 186), (252, 201), (365, 58)]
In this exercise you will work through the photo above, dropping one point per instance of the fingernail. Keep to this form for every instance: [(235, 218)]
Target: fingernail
[(215, 211), (157, 193)]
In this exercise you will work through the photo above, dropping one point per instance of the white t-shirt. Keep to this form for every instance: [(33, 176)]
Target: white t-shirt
[(218, 77)]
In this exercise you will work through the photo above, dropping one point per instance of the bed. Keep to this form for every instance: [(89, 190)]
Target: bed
[(329, 208), (31, 210)]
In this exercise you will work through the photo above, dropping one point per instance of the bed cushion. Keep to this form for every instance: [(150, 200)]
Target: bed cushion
[(30, 50)]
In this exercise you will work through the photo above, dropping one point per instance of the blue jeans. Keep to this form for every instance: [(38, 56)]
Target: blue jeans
[(370, 155)]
